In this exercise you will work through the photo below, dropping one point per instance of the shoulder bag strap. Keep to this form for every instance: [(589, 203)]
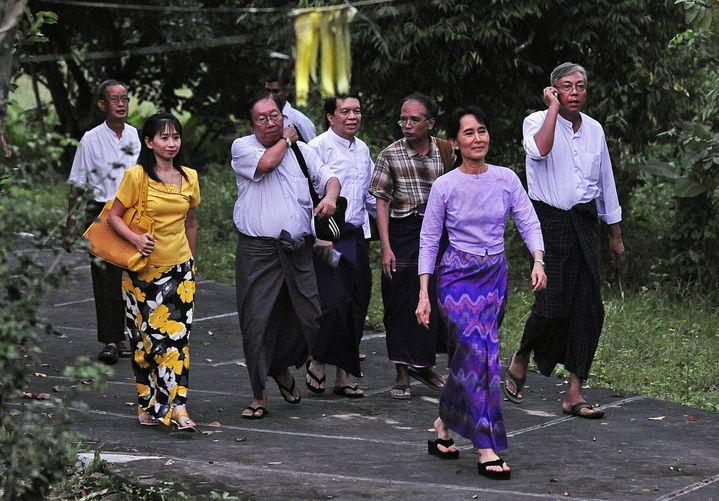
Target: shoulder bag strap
[(142, 203), (303, 166), (445, 153)]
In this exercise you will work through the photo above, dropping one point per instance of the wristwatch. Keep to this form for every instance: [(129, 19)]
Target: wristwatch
[(288, 141), (540, 261)]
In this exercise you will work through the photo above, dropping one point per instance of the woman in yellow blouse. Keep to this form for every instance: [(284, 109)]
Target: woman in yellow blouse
[(159, 301)]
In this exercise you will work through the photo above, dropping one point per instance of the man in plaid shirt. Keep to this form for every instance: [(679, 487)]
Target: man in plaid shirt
[(403, 175)]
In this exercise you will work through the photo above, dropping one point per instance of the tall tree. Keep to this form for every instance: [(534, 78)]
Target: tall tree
[(10, 12)]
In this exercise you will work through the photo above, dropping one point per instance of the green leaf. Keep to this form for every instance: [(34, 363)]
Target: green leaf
[(661, 169), (686, 188)]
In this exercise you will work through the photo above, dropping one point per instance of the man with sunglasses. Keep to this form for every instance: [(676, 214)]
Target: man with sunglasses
[(402, 177), (279, 86), (103, 155), (278, 303), (571, 184)]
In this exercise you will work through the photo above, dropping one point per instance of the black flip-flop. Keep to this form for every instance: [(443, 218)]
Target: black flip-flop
[(406, 392), (287, 393), (347, 391), (494, 475), (515, 397), (434, 450), (576, 410), (318, 380), (425, 376), (255, 410)]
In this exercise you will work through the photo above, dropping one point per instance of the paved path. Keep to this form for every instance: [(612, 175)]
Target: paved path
[(329, 447)]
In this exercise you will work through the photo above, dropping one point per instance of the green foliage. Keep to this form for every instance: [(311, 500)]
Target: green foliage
[(689, 159), (35, 441), (36, 448), (98, 480), (31, 31), (37, 151), (217, 237)]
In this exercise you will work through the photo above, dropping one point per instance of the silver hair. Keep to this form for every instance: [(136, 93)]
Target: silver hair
[(565, 69)]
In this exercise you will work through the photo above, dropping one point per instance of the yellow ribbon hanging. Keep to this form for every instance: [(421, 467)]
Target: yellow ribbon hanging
[(324, 30)]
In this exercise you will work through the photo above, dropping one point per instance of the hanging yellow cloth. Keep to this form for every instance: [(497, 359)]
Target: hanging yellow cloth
[(323, 29)]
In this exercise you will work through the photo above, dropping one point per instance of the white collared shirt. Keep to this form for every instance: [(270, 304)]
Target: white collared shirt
[(279, 200), (102, 158), (299, 120), (577, 169), (353, 166)]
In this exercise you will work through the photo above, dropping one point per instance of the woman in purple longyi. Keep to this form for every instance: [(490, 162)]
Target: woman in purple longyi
[(473, 202)]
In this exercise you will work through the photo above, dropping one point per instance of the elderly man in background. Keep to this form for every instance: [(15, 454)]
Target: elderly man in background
[(278, 85), (403, 175), (101, 159)]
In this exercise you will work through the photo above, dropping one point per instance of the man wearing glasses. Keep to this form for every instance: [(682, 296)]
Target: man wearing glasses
[(279, 86), (277, 299), (570, 180), (103, 155), (402, 177)]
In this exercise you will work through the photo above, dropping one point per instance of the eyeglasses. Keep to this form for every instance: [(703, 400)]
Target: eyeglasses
[(263, 120), (410, 122), (118, 100), (567, 88)]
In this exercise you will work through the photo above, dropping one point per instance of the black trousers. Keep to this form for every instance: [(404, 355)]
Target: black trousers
[(567, 317), (107, 290)]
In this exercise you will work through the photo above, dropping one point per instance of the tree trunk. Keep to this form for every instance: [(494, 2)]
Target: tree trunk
[(10, 12)]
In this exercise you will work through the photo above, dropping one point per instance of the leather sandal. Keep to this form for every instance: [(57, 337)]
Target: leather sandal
[(181, 420), (146, 419)]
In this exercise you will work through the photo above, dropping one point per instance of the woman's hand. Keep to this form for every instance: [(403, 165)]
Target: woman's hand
[(145, 243), (539, 279), (423, 307), (423, 310)]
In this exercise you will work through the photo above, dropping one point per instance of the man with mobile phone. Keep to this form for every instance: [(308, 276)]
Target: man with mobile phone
[(571, 184)]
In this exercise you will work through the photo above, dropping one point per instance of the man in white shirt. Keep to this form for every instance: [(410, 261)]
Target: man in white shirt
[(344, 285), (570, 181), (103, 155), (279, 86), (277, 300)]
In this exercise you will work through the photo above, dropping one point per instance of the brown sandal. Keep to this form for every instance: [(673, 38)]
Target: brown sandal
[(181, 420), (146, 419)]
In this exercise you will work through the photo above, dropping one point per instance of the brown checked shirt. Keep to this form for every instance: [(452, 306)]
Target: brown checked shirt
[(402, 177)]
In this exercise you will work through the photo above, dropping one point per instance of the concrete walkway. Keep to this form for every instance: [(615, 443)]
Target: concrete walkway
[(329, 447)]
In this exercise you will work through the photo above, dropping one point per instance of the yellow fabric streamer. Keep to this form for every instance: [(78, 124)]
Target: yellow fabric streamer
[(324, 30)]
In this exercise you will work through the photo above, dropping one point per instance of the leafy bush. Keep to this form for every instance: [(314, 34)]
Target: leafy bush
[(35, 442), (217, 236)]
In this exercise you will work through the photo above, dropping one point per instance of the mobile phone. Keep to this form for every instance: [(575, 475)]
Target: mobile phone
[(556, 94)]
